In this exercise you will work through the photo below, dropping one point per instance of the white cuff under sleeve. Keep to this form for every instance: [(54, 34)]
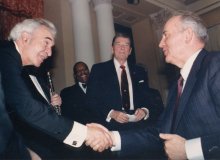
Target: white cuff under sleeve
[(194, 149), (108, 119), (147, 113), (117, 143), (77, 135)]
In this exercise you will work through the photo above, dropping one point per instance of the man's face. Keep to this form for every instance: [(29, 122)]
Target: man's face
[(121, 49), (38, 46), (173, 41), (82, 73)]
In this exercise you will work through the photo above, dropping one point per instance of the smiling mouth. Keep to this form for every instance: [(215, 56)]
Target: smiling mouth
[(85, 75)]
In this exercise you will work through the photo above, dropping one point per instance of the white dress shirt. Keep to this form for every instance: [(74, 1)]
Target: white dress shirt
[(193, 146)]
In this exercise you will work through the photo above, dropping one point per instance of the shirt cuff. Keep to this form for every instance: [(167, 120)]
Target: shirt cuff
[(117, 141), (77, 135), (147, 113), (194, 149), (108, 119)]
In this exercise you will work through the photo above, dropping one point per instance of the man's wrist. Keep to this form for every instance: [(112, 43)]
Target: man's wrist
[(108, 119), (193, 149), (116, 141)]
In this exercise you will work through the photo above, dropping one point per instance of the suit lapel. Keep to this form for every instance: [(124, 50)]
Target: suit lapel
[(34, 91), (191, 80), (80, 89), (112, 78)]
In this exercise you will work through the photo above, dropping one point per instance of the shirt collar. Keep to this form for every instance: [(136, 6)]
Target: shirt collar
[(188, 65), (117, 64), (16, 46)]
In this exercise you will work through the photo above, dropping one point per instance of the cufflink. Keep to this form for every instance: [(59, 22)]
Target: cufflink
[(141, 81), (74, 143)]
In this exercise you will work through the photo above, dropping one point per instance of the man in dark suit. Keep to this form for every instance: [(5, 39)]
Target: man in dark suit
[(105, 96), (192, 129), (31, 44), (74, 97), (11, 145)]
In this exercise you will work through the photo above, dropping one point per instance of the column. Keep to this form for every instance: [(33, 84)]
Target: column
[(105, 26), (82, 30)]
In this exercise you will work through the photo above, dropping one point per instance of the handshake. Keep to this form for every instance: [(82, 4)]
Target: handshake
[(98, 137)]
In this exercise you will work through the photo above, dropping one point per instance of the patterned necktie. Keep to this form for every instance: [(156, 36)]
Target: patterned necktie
[(124, 89), (179, 92)]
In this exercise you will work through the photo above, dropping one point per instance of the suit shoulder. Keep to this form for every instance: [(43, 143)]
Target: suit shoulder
[(140, 67), (212, 57), (101, 66), (67, 89)]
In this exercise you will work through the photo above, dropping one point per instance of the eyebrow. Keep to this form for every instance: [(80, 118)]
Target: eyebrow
[(122, 43), (164, 32), (49, 38)]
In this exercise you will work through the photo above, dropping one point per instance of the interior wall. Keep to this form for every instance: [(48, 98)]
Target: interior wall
[(52, 12), (212, 18), (147, 54)]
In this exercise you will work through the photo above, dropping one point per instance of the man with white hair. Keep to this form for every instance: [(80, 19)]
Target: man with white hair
[(31, 43)]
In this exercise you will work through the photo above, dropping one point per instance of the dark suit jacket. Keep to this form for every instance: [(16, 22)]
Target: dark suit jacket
[(104, 93), (74, 103), (11, 145), (24, 101), (198, 111)]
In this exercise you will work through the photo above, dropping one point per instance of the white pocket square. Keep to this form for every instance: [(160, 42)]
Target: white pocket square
[(141, 81)]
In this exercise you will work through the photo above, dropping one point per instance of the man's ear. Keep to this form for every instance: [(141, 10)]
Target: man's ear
[(75, 77), (25, 36), (189, 35), (130, 51)]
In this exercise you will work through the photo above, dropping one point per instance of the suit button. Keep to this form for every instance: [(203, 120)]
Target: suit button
[(74, 143)]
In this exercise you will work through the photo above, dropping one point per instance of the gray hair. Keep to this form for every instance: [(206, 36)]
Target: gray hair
[(29, 25), (190, 19)]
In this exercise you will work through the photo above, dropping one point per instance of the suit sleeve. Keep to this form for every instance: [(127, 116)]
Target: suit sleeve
[(147, 97), (211, 143), (142, 141), (94, 93)]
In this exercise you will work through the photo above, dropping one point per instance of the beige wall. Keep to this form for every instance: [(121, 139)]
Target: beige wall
[(146, 48), (52, 12), (212, 18)]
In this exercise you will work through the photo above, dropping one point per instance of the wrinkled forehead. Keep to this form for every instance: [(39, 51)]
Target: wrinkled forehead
[(44, 32)]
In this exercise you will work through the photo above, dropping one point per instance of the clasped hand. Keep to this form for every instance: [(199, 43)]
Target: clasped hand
[(56, 100), (174, 146), (98, 137), (122, 117)]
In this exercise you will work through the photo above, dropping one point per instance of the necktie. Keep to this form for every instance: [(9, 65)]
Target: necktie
[(124, 89), (179, 92)]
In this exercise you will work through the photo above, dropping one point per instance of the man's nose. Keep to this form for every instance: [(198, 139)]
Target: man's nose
[(161, 44), (49, 51)]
